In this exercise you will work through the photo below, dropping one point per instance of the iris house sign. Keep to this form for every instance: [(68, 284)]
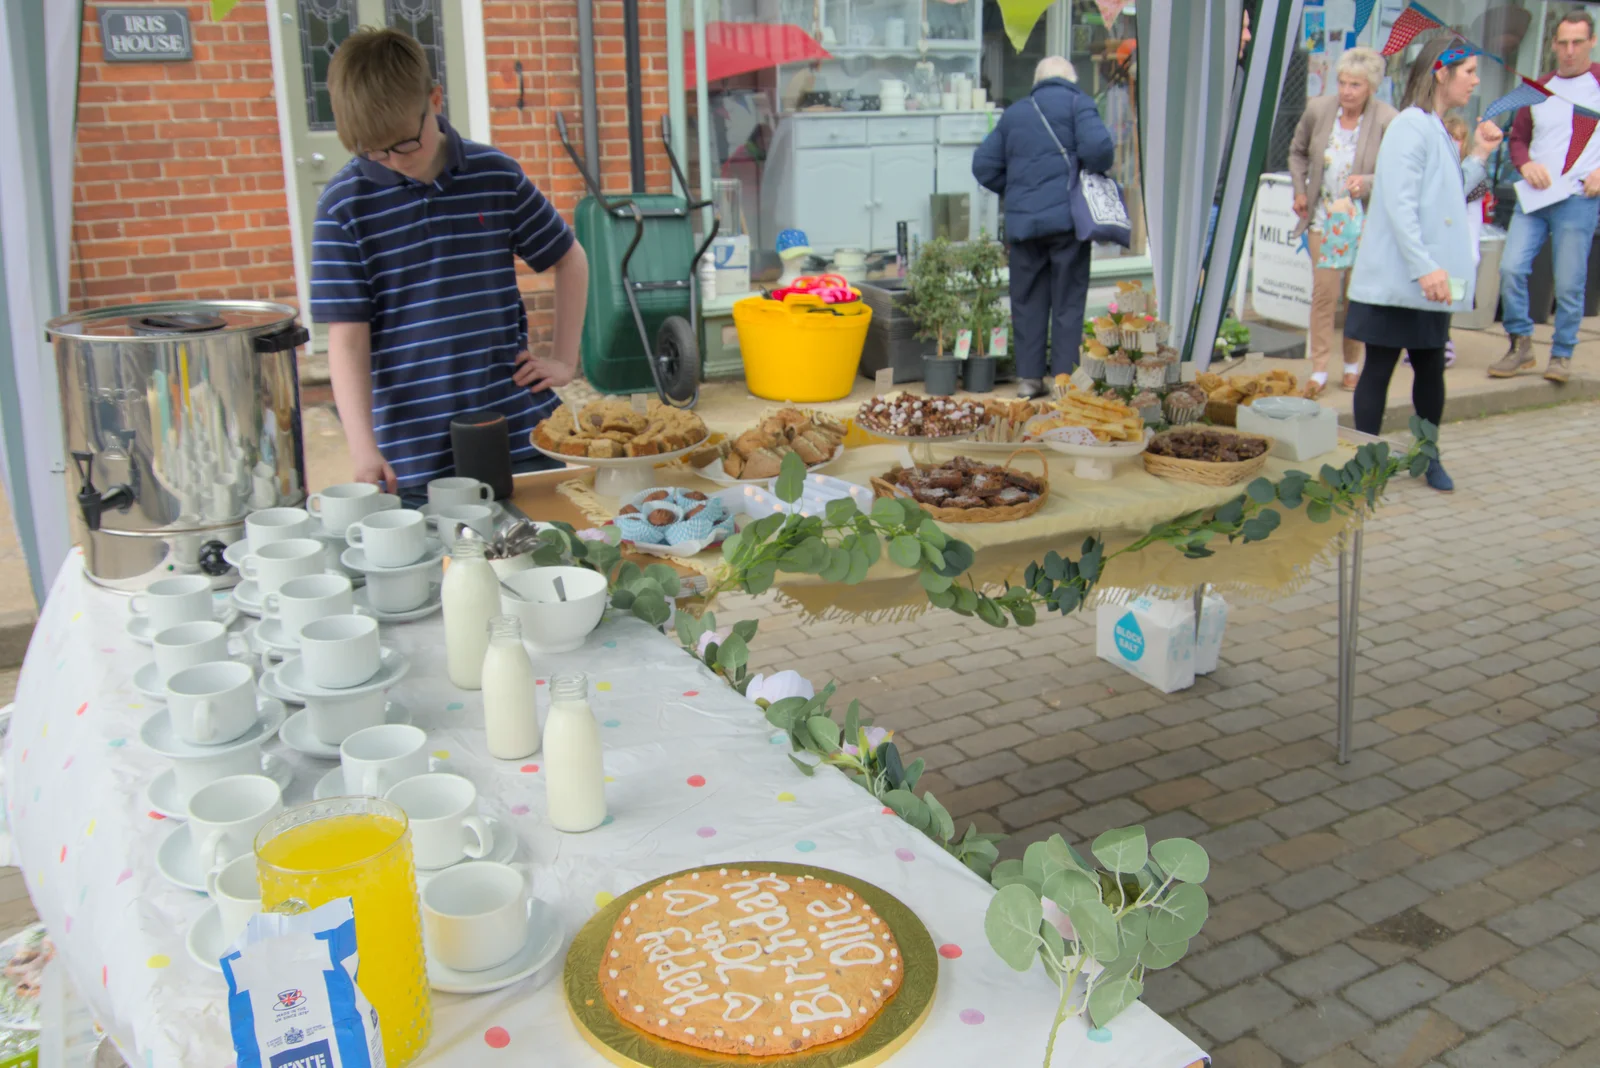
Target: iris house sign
[(145, 34)]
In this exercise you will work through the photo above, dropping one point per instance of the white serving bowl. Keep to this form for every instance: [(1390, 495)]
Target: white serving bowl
[(549, 624)]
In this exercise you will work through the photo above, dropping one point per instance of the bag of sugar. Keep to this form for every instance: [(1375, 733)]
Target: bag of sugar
[(293, 1001)]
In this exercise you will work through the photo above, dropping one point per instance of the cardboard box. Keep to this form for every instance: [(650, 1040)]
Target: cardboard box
[(1157, 640), (1151, 639), (1296, 439)]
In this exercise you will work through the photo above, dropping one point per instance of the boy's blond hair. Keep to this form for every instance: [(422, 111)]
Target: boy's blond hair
[(1460, 131), (379, 83)]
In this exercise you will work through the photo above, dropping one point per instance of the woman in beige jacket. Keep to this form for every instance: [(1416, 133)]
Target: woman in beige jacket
[(1334, 154)]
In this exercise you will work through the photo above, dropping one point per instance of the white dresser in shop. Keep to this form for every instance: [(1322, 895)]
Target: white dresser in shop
[(848, 178)]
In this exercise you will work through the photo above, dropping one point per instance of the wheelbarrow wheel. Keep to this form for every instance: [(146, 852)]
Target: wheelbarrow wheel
[(677, 359)]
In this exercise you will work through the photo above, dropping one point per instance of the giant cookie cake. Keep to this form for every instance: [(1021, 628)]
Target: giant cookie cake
[(740, 960)]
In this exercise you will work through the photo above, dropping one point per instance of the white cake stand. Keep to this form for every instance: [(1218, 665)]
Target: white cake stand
[(622, 476), (1096, 463)]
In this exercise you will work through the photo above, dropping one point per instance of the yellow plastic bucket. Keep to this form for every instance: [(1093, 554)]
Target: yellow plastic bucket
[(800, 350)]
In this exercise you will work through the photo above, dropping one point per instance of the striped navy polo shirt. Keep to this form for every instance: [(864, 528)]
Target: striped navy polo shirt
[(430, 267)]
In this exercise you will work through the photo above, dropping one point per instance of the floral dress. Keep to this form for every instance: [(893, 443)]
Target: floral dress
[(1340, 229)]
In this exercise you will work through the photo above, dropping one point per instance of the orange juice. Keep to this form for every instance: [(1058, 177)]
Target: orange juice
[(359, 847)]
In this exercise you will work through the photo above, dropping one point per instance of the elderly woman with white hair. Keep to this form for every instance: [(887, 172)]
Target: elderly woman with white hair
[(1334, 155), (1025, 160)]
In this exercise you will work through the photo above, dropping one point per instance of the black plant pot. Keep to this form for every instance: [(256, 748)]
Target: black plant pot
[(979, 374), (939, 376)]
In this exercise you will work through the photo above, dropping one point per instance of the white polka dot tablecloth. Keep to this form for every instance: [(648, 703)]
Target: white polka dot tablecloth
[(695, 775)]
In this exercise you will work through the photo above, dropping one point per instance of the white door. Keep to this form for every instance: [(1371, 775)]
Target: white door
[(955, 176), (312, 30), (902, 182), (833, 191)]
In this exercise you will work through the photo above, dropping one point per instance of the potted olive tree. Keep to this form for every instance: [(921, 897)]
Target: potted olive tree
[(937, 307), (984, 262)]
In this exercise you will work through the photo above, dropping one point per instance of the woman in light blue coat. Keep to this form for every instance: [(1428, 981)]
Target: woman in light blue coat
[(1416, 265)]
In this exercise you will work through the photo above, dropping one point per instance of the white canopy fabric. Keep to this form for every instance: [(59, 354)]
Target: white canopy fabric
[(39, 85), (1204, 122)]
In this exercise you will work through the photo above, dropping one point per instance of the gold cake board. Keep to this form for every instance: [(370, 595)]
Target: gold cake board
[(627, 1046)]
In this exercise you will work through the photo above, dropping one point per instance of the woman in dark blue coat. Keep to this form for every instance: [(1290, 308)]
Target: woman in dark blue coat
[(1049, 266)]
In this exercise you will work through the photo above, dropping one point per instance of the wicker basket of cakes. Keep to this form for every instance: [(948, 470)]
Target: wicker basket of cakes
[(963, 490), (1207, 455), (1225, 393)]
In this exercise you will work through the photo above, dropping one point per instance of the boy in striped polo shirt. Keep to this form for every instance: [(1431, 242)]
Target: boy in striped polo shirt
[(413, 270)]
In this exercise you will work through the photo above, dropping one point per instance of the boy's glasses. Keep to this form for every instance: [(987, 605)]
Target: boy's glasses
[(401, 148)]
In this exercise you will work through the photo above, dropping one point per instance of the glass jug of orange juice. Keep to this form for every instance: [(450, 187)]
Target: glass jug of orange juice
[(360, 848)]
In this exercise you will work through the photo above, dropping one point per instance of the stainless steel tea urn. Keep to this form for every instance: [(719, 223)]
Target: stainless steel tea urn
[(181, 418)]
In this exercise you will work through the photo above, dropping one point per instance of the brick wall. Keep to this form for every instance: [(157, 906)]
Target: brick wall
[(179, 186), (543, 35), (179, 181)]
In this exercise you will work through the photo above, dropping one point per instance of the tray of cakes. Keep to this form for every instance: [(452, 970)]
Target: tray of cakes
[(1005, 425), (915, 418), (756, 456), (962, 490), (620, 441), (1094, 428)]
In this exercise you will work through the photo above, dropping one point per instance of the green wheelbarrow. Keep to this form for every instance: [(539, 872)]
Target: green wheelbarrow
[(643, 266)]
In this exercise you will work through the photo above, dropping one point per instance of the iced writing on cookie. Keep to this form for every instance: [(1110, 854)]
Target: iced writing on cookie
[(682, 982)]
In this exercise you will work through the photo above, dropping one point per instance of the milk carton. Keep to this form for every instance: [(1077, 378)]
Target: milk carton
[(1157, 640), (732, 258)]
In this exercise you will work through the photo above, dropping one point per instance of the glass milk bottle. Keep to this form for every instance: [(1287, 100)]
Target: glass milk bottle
[(573, 772), (510, 713), (471, 598)]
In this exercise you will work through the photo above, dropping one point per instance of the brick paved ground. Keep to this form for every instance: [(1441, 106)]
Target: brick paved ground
[(1436, 901)]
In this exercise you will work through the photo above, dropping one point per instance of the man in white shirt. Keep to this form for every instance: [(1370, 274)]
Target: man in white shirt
[(1540, 139)]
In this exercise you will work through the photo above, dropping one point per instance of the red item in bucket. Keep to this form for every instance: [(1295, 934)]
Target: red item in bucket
[(828, 288)]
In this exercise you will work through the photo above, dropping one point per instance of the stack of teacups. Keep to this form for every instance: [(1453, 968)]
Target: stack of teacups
[(298, 602), (342, 674), (394, 551), (223, 818), (335, 508), (168, 602), (183, 646), (235, 893)]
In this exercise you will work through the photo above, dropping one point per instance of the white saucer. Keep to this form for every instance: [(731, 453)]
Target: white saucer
[(427, 608), (296, 731), (161, 795), (157, 735), (544, 942), (204, 940), (268, 634), (147, 682), (175, 860), (138, 627), (499, 509), (356, 559), (392, 667), (236, 552), (268, 684), (336, 545), (505, 847), (247, 597)]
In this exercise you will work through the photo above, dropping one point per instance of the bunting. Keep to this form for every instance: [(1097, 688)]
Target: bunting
[(1110, 11), (1414, 21), (1583, 124), (1525, 95), (1363, 14)]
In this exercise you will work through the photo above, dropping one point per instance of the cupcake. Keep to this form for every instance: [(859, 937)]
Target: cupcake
[(1107, 332), (1119, 369), (1185, 404), (696, 525), (1148, 404), (639, 530), (1150, 372), (1174, 365), (1093, 359), (1163, 331)]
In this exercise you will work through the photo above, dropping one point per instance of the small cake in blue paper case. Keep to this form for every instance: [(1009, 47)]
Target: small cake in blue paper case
[(637, 529), (690, 528)]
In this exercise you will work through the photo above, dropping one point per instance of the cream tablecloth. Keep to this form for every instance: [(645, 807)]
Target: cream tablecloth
[(697, 776)]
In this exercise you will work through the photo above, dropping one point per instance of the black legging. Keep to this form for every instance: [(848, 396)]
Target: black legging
[(1427, 385)]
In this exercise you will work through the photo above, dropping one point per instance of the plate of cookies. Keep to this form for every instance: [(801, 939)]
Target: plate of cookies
[(756, 456), (623, 443)]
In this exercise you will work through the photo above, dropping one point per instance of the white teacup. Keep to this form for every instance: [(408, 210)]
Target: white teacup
[(189, 774), (391, 539), (281, 561), (475, 915), (398, 592), (167, 602), (190, 644), (307, 599), (445, 825), (333, 719), (225, 816), (269, 525), (377, 758), (340, 651), (449, 492), (348, 502), (447, 519), (212, 703), (236, 890)]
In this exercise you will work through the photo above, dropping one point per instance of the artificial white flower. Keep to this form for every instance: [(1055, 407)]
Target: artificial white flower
[(775, 687), (718, 636)]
